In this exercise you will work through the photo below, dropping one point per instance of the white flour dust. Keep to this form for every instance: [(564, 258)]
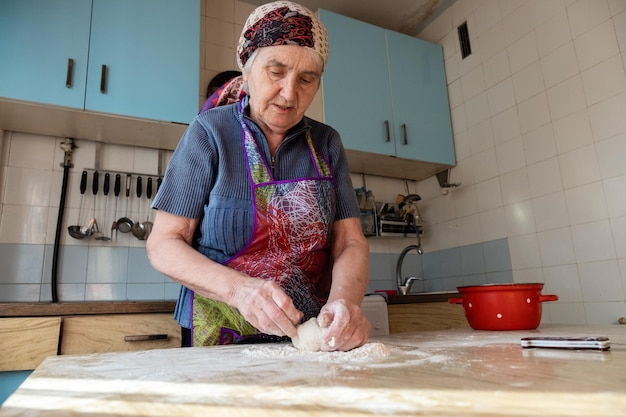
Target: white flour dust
[(365, 353)]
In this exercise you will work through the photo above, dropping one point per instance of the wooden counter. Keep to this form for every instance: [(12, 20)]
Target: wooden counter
[(441, 373)]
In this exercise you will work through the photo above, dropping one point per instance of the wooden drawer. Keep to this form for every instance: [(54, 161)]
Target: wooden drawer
[(405, 318), (119, 333), (27, 341)]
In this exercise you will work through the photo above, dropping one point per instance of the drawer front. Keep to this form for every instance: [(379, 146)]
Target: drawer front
[(27, 341), (119, 333), (406, 318)]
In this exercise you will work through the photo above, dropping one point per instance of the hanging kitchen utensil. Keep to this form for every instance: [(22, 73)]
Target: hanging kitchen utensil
[(116, 191), (105, 190), (137, 229), (94, 189), (147, 225), (125, 224), (76, 230)]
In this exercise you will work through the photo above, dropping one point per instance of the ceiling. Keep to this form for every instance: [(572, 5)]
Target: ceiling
[(404, 16)]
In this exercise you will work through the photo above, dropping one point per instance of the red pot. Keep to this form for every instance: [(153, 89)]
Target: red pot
[(503, 306)]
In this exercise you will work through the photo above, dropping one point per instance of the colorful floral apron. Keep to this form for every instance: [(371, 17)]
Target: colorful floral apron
[(289, 245)]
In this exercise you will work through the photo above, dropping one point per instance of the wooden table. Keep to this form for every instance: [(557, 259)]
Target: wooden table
[(440, 373)]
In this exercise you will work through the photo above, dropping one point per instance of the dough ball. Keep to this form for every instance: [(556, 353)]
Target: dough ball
[(309, 337)]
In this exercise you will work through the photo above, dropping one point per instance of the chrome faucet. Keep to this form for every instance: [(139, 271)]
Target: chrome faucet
[(405, 284)]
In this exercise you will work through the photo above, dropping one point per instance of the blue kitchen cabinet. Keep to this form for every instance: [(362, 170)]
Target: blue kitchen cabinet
[(135, 58), (386, 94), (38, 38), (357, 98)]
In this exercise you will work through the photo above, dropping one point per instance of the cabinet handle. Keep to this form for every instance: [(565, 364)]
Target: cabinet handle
[(70, 73), (406, 139), (143, 337), (387, 131), (103, 80)]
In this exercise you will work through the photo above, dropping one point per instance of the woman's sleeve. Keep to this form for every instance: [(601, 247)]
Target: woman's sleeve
[(189, 175)]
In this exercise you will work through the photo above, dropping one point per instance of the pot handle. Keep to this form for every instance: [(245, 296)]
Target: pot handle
[(455, 300), (548, 297)]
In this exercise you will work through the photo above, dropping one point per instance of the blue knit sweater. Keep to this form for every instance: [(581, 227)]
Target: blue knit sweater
[(207, 179)]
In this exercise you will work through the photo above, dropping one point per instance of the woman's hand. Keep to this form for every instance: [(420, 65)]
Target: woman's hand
[(347, 327), (266, 306)]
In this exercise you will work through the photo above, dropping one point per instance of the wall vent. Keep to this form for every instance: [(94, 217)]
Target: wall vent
[(464, 40)]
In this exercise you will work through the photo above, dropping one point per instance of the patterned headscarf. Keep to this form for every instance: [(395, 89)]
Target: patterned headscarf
[(282, 23)]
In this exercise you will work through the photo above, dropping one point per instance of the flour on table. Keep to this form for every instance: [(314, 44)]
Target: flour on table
[(365, 353)]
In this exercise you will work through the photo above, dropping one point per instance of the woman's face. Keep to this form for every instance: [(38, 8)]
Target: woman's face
[(282, 82)]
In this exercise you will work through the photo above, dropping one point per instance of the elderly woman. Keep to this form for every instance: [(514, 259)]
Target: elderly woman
[(257, 217)]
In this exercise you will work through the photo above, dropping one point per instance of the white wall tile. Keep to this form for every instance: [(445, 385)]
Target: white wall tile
[(596, 45), (528, 82), (496, 69), (458, 119), (506, 125), (523, 52), (543, 11), (611, 156), (469, 230), (488, 194), (618, 230), (572, 132), (556, 247), (485, 165), (487, 14), (587, 14), (524, 252), (23, 224), (566, 313), (520, 219), (465, 201), (550, 212), (608, 288), (515, 186), (607, 117), (586, 203), (553, 33), (604, 80), (473, 83), (492, 224), (518, 24), (544, 178), (492, 42), (593, 242), (579, 167), (615, 191), (566, 98), (455, 94), (616, 6), (559, 65), (223, 10), (604, 312), (32, 151), (477, 109), (480, 137), (620, 29), (539, 144), (563, 280), (534, 113), (510, 155)]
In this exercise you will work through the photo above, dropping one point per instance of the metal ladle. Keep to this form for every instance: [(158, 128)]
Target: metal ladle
[(116, 191), (147, 225), (137, 229), (77, 231), (107, 178), (125, 224)]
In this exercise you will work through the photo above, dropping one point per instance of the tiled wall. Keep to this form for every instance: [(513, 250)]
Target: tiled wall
[(539, 120), (89, 270)]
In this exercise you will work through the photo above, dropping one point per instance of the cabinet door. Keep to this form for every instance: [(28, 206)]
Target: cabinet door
[(37, 38), (151, 50), (420, 100), (357, 100), (27, 341)]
